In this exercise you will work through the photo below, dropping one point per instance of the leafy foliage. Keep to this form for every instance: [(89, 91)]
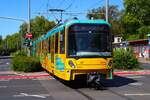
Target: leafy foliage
[(136, 19), (19, 53), (138, 9), (143, 31), (10, 44), (0, 39), (114, 17), (125, 59), (39, 26), (26, 64)]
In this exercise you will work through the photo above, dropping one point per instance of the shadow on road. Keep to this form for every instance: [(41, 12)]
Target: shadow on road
[(118, 81)]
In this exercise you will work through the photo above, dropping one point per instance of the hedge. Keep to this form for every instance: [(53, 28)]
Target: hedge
[(26, 64), (125, 59)]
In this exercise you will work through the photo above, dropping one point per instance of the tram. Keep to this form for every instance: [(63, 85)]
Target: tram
[(77, 47)]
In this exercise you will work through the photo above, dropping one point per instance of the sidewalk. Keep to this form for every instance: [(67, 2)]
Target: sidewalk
[(143, 60)]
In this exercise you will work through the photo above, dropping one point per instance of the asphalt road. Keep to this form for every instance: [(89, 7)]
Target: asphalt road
[(134, 87), (5, 64), (145, 65)]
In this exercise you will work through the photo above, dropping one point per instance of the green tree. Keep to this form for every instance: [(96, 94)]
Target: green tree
[(12, 42), (1, 47), (0, 39), (143, 31), (99, 13), (39, 26), (114, 17), (136, 18), (138, 9)]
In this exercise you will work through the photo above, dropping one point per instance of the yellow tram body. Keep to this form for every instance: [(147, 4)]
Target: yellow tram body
[(52, 50)]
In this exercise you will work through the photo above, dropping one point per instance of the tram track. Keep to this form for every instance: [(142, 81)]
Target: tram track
[(109, 90), (84, 94), (88, 97), (120, 95)]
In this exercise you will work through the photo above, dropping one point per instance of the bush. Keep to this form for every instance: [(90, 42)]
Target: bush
[(19, 53), (125, 59), (26, 64)]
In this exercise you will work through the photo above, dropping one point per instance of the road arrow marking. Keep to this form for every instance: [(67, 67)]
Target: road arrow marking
[(135, 77), (28, 95), (7, 63), (3, 86), (138, 94), (136, 84)]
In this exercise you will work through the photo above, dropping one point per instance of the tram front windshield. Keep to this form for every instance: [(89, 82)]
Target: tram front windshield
[(89, 40)]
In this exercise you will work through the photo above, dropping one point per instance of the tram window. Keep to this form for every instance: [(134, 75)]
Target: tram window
[(52, 49), (49, 43), (52, 43), (38, 48), (56, 43), (62, 42), (42, 46), (46, 46)]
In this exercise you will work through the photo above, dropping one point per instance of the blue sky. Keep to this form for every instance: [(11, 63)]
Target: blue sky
[(18, 9)]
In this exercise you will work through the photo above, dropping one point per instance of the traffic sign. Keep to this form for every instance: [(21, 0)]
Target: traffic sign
[(28, 35)]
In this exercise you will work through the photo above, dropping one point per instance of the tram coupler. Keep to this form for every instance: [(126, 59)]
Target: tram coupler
[(93, 80)]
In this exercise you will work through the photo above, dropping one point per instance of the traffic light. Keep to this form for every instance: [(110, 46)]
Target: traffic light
[(27, 42), (27, 39)]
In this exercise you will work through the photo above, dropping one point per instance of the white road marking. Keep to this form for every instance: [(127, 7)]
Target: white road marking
[(34, 95), (7, 63), (40, 79), (138, 94), (3, 86), (134, 77), (136, 84), (44, 78), (1, 80)]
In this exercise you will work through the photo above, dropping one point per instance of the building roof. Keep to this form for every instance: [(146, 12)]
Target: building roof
[(140, 41)]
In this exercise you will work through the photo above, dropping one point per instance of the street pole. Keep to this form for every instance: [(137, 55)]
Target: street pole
[(106, 6), (28, 29)]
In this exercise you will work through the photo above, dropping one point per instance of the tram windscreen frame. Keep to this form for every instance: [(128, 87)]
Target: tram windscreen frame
[(89, 40)]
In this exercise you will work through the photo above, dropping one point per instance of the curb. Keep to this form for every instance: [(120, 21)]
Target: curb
[(46, 75), (125, 73), (25, 77)]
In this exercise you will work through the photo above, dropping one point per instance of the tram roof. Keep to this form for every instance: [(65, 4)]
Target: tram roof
[(66, 24)]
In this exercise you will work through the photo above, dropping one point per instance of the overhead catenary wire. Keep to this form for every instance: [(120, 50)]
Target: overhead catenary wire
[(97, 3), (16, 19), (47, 11), (70, 5), (61, 3), (69, 13)]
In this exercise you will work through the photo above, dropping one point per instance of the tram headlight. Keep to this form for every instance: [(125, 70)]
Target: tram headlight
[(71, 64), (110, 63)]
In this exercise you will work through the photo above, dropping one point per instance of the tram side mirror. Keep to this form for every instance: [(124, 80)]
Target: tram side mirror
[(113, 38)]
